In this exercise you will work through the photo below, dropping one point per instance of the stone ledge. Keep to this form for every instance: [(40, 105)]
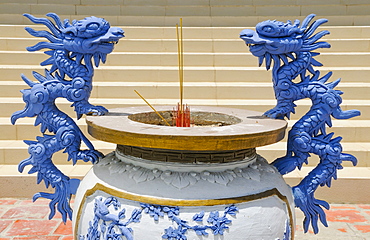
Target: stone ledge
[(24, 185)]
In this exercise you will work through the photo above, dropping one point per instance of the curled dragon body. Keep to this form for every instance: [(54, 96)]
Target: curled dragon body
[(72, 46), (288, 46)]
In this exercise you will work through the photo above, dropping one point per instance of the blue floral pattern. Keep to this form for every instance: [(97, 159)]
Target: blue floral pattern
[(216, 223), (112, 226)]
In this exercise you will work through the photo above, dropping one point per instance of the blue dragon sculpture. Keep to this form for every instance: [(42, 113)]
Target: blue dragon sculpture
[(71, 49), (288, 46)]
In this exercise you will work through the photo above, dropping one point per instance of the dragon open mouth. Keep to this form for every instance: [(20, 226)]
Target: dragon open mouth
[(111, 42)]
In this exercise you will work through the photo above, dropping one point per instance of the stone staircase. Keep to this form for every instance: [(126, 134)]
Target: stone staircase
[(219, 71)]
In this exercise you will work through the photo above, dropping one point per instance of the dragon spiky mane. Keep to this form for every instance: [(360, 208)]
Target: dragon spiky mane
[(80, 40), (275, 40)]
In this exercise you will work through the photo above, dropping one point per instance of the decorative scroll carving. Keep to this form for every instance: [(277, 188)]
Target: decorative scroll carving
[(184, 179)]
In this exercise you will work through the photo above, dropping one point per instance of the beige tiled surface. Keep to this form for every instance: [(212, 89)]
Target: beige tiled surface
[(109, 10), (358, 149), (358, 9), (140, 2), (143, 11), (65, 1), (232, 2), (21, 1), (362, 20), (348, 178), (163, 52), (46, 8), (232, 10), (318, 2), (354, 2), (337, 33), (99, 2), (188, 11), (327, 10), (197, 20), (278, 10), (2, 157), (14, 8)]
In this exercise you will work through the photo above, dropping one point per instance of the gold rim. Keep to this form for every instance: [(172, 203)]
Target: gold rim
[(250, 133)]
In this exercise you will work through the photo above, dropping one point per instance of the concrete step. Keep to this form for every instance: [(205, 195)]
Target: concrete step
[(351, 130), (191, 74), (192, 20), (358, 149), (14, 151), (231, 59), (234, 45), (194, 8), (23, 185), (192, 90), (129, 46), (9, 105), (207, 33)]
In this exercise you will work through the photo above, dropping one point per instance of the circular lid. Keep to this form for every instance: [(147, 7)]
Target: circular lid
[(242, 129)]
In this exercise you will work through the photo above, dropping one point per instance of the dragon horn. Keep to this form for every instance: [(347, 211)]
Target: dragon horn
[(307, 20), (26, 80), (39, 77), (340, 114), (44, 21), (348, 157), (18, 114), (325, 77), (56, 18), (332, 85)]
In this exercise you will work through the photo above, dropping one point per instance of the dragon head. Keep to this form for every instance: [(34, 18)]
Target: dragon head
[(271, 37), (279, 40), (91, 35)]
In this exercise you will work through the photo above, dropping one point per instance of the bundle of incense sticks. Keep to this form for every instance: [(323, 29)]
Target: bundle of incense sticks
[(181, 116)]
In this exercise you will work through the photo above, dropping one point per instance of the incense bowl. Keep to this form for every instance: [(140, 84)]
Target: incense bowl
[(199, 182)]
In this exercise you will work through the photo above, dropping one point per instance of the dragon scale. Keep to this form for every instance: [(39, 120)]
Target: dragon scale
[(288, 46)]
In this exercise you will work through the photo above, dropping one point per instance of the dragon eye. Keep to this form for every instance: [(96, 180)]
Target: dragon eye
[(70, 34), (267, 29), (93, 26)]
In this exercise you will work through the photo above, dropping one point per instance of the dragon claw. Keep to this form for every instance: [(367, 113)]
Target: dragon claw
[(287, 164), (275, 113), (93, 110), (97, 111), (89, 156), (311, 207)]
